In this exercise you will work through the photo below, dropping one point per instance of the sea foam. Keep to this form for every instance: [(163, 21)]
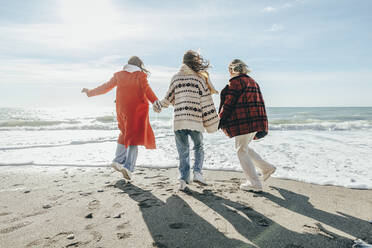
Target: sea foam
[(326, 148)]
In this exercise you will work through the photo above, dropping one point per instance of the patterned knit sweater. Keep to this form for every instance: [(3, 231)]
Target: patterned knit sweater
[(192, 100)]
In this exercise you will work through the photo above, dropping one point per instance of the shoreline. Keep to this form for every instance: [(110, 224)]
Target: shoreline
[(45, 206), (31, 164)]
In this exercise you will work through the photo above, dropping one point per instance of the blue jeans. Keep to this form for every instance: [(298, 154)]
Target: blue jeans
[(182, 142), (127, 156)]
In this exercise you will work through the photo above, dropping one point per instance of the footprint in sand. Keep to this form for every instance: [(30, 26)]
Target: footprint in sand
[(118, 216), (35, 213), (263, 222), (55, 198), (46, 206), (221, 225), (135, 193), (94, 204), (35, 243), (11, 220), (77, 244), (15, 227), (148, 202), (52, 241), (96, 236), (144, 205), (152, 177), (179, 225), (123, 235), (159, 184), (90, 226), (86, 193), (158, 244), (122, 226), (116, 205)]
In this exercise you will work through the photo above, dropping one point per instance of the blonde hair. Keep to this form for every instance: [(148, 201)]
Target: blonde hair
[(134, 60), (238, 66)]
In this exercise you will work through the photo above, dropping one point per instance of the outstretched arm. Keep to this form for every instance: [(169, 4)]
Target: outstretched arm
[(102, 89)]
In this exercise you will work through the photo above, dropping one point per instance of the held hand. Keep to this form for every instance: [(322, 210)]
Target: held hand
[(156, 106), (85, 90)]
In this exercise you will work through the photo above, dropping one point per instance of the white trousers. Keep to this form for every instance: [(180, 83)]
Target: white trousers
[(249, 159)]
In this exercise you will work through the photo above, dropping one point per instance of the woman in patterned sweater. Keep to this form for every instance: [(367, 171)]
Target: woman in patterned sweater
[(190, 93), (243, 116)]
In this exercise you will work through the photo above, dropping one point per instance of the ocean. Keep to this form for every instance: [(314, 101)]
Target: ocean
[(326, 146)]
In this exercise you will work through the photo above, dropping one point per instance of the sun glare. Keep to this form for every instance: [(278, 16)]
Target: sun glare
[(89, 22), (84, 12)]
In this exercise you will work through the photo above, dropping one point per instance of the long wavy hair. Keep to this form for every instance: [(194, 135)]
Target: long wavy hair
[(195, 61), (134, 60)]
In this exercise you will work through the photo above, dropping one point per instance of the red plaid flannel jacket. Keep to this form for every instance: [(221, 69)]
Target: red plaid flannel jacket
[(242, 108)]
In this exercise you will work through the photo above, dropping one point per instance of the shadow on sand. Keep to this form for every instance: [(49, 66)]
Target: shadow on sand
[(174, 224), (300, 204), (263, 231)]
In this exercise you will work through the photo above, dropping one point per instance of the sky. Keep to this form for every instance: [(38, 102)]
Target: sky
[(303, 53)]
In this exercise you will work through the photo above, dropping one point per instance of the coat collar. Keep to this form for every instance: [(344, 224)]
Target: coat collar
[(186, 70), (241, 75), (131, 68)]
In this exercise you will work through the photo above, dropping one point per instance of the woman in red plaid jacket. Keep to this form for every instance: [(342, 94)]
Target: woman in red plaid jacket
[(243, 116)]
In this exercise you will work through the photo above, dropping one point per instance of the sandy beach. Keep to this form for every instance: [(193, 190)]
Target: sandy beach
[(94, 207)]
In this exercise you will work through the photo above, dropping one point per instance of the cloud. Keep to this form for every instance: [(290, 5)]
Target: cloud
[(281, 88), (269, 9), (276, 28), (306, 88), (38, 71), (49, 72), (161, 74), (287, 5), (105, 24)]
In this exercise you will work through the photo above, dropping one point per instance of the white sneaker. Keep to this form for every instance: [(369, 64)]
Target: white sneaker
[(126, 173), (267, 174), (183, 185), (249, 187), (116, 166), (198, 178)]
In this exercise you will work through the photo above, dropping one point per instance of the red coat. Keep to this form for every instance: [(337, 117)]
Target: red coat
[(133, 94), (242, 108)]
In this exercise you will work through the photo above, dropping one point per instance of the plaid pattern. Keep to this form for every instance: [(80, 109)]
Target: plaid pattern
[(242, 108)]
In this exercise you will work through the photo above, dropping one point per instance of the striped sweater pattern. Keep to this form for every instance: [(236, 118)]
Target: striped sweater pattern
[(191, 98)]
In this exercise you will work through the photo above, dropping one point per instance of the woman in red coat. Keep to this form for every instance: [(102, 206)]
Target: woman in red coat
[(243, 116), (132, 108)]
